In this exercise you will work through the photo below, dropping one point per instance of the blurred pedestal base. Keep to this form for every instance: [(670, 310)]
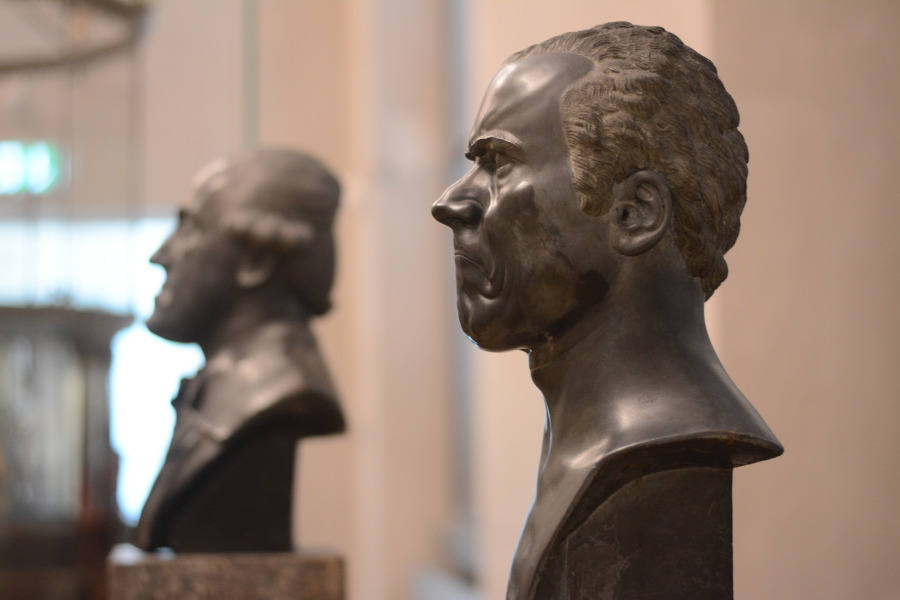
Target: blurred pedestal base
[(306, 575)]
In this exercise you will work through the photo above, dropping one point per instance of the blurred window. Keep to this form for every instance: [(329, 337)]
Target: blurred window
[(104, 264)]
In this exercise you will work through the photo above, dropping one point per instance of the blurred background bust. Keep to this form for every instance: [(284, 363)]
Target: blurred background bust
[(250, 263)]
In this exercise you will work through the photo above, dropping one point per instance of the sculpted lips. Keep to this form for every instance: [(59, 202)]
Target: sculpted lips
[(464, 258), (165, 296), (471, 272)]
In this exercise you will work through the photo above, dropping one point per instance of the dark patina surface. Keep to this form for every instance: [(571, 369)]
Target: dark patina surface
[(607, 184)]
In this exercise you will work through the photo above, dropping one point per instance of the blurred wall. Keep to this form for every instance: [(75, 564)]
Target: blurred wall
[(384, 91), (810, 320), (190, 93)]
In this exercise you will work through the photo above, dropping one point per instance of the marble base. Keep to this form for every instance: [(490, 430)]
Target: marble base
[(305, 575)]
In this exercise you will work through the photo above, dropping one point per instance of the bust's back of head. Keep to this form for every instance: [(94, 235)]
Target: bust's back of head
[(283, 202)]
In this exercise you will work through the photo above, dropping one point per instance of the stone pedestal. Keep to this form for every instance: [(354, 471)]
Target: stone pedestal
[(306, 575)]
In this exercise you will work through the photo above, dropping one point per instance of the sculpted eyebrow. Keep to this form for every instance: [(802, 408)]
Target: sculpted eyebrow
[(497, 145)]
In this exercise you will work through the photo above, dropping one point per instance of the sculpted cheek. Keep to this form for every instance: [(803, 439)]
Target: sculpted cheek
[(512, 200), (509, 223), (521, 201), (592, 288)]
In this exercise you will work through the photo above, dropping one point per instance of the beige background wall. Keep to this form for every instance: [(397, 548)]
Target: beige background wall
[(807, 324), (810, 320)]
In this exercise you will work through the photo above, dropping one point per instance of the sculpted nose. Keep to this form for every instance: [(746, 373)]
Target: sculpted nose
[(161, 256), (459, 206)]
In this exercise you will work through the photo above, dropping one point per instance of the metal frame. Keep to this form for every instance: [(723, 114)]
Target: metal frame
[(133, 15)]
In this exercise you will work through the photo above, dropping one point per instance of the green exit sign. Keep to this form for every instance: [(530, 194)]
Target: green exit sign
[(28, 167)]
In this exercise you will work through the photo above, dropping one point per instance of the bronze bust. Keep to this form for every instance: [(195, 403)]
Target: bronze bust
[(608, 180), (250, 263)]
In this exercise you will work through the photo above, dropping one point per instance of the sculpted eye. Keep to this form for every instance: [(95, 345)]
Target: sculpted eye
[(502, 164), (187, 222), (499, 164), (494, 155)]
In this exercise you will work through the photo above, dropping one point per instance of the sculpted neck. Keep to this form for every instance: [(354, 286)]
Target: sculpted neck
[(254, 311), (636, 366)]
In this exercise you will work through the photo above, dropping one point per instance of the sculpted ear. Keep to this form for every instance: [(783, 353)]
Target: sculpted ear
[(641, 212), (255, 268)]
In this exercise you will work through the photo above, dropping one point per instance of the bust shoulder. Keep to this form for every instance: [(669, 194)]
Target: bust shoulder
[(277, 373)]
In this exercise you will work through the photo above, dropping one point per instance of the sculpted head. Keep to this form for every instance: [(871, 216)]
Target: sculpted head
[(575, 138), (653, 102), (256, 226)]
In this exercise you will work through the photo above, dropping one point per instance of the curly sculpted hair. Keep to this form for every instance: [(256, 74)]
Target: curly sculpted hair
[(651, 102)]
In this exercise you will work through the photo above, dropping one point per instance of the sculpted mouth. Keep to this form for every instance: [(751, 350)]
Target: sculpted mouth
[(464, 257), (165, 295), (485, 283)]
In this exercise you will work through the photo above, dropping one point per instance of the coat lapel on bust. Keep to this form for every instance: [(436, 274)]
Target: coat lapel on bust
[(190, 450), (225, 396)]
